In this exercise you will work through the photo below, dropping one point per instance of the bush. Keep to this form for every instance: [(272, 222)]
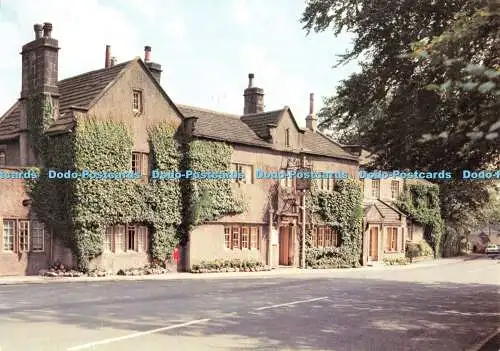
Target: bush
[(419, 249), (395, 259), (412, 250), (227, 266), (425, 248)]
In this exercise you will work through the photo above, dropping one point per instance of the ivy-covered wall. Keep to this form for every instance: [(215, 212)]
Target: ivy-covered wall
[(342, 210), (209, 200), (421, 204), (79, 210)]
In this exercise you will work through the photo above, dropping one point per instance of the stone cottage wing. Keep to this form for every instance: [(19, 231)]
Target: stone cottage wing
[(252, 129)]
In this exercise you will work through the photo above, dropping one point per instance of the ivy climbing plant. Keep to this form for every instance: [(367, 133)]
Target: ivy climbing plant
[(341, 209), (420, 202), (212, 199), (79, 210)]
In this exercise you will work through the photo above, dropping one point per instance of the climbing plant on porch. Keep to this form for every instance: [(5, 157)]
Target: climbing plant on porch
[(342, 210)]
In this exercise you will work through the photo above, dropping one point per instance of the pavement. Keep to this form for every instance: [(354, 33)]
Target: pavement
[(8, 280), (452, 306)]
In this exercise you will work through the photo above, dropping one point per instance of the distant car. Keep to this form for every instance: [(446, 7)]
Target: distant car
[(492, 249)]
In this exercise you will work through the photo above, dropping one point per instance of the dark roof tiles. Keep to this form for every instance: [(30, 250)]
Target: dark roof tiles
[(79, 91)]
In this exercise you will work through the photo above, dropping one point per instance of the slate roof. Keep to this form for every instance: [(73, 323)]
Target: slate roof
[(10, 121), (252, 129), (259, 121), (387, 212), (221, 126), (78, 91)]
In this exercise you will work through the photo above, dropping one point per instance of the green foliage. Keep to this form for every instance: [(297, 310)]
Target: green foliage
[(421, 203), (39, 111), (419, 249), (395, 259), (211, 199), (79, 210), (341, 209), (388, 107), (228, 265)]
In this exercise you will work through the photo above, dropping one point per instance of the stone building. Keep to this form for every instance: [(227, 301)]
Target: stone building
[(270, 228)]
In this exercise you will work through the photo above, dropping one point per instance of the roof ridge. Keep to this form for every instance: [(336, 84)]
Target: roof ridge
[(95, 71), (264, 113), (12, 108), (207, 110)]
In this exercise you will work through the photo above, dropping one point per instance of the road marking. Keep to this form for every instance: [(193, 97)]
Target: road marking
[(483, 342), (291, 303), (135, 335)]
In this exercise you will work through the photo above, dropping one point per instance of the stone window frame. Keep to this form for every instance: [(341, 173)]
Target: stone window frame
[(141, 165), (242, 237), (243, 168), (287, 137), (375, 189), (395, 189), (137, 102)]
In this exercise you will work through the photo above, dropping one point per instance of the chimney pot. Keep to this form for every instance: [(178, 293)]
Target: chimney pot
[(147, 53), (38, 30), (251, 76), (107, 58), (47, 29), (112, 62)]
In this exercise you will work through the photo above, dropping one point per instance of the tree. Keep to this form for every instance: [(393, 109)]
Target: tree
[(392, 106), (427, 95)]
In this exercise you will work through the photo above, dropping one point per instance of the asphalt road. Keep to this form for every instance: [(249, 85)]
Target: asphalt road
[(451, 307)]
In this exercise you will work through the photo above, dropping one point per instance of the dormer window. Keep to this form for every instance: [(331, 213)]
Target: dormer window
[(2, 159), (287, 137), (137, 103)]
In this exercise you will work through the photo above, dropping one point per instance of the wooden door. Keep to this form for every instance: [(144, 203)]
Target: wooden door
[(284, 245), (373, 256)]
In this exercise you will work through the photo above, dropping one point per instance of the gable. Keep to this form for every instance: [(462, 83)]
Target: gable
[(288, 125), (115, 102)]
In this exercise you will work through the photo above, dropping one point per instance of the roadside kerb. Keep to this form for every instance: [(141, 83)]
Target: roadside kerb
[(305, 273)]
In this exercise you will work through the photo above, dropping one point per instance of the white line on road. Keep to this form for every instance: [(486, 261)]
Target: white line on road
[(291, 303), (135, 335)]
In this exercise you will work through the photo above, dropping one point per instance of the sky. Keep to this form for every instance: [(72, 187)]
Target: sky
[(206, 47)]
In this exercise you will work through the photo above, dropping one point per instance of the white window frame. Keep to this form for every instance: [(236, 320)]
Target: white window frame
[(12, 235), (25, 245), (37, 232)]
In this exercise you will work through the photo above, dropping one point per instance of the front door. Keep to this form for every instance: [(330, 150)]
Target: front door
[(373, 244), (284, 245)]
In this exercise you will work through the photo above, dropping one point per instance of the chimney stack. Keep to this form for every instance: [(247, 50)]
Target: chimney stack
[(107, 59), (254, 97), (311, 119), (39, 71), (38, 31), (154, 68)]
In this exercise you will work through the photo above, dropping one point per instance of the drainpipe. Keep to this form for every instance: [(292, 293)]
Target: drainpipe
[(303, 253), (269, 234)]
